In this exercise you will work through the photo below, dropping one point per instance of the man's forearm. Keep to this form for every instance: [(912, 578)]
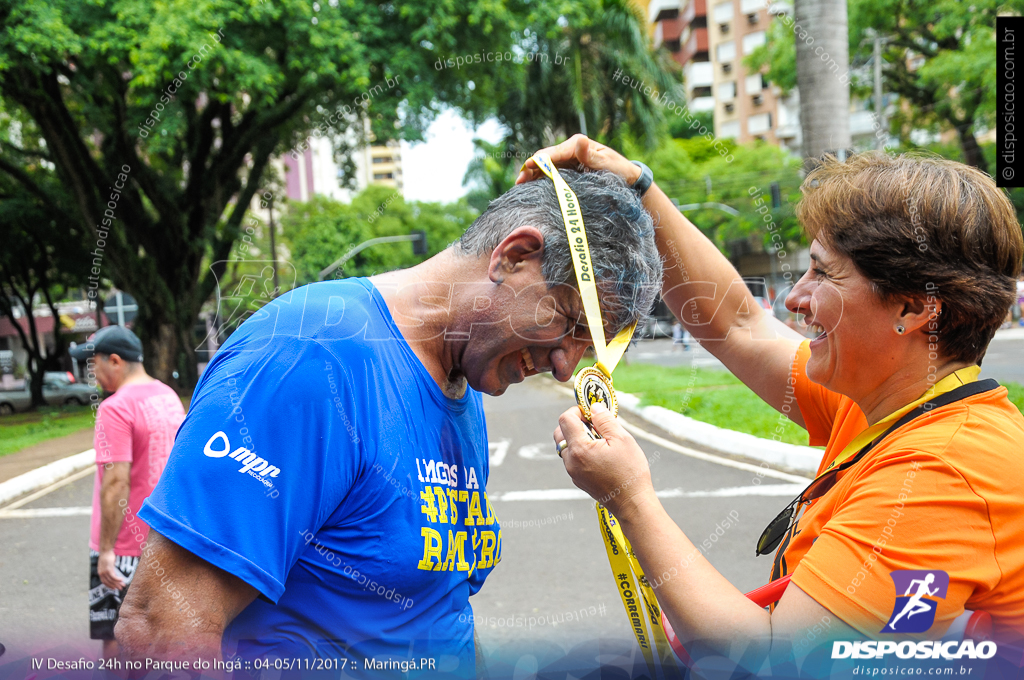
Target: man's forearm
[(701, 286), (114, 493)]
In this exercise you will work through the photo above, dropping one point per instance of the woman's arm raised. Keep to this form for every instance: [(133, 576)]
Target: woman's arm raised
[(701, 287)]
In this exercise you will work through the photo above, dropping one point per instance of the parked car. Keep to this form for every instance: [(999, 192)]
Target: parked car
[(58, 388)]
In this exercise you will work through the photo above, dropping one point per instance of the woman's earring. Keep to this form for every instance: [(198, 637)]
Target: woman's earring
[(900, 329)]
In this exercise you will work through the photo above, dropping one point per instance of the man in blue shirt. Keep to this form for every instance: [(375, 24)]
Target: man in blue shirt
[(325, 498)]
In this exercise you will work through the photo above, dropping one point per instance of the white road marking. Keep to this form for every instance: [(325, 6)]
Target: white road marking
[(733, 491), (33, 513), (538, 452), (497, 451), (760, 471), (728, 492)]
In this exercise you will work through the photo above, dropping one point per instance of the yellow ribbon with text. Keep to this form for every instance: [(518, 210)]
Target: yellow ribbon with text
[(643, 610), (608, 355)]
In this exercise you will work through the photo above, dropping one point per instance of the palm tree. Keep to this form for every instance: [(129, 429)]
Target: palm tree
[(822, 74), (574, 88), (492, 171)]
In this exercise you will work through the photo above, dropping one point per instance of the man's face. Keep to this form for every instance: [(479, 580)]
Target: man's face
[(532, 330), (107, 372)]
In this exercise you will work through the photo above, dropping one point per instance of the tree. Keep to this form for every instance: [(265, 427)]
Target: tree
[(686, 168), (492, 171), (590, 54), (679, 128), (822, 73), (321, 230), (938, 59), (158, 119), (776, 58), (40, 259)]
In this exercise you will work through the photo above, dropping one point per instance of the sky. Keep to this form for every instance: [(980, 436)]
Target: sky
[(433, 170)]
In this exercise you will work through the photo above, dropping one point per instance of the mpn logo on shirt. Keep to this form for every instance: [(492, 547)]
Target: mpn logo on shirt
[(252, 465), (914, 611)]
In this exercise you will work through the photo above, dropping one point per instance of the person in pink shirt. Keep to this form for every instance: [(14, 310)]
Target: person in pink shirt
[(135, 429)]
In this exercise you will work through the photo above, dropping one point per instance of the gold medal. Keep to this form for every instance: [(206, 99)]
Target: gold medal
[(593, 386)]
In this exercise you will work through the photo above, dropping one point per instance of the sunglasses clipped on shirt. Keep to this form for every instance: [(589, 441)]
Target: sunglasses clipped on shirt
[(823, 483)]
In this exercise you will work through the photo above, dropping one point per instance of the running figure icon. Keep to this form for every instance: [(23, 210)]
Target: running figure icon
[(914, 605)]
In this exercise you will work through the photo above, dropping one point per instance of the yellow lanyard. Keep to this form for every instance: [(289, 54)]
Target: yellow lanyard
[(608, 355), (644, 610), (947, 384)]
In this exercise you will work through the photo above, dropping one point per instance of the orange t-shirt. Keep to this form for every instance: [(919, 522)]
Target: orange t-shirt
[(944, 492)]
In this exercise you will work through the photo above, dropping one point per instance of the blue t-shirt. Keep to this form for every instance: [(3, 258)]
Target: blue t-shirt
[(321, 464)]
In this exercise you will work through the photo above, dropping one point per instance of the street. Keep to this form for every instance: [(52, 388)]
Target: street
[(553, 587)]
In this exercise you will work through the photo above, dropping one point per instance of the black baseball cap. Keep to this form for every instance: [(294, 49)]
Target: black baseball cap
[(110, 340)]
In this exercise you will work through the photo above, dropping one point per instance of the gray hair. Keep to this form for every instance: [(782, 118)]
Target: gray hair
[(620, 233)]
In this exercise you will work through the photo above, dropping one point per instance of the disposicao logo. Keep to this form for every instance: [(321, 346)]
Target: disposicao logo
[(252, 465), (925, 649), (914, 611)]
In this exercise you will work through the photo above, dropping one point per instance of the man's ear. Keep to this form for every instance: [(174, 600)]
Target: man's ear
[(525, 245)]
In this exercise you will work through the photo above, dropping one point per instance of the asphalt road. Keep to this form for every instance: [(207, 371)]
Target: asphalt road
[(553, 586)]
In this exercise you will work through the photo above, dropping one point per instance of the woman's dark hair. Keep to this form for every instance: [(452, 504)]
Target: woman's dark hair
[(922, 226)]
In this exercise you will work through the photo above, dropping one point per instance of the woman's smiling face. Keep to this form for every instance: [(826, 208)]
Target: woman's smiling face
[(851, 352)]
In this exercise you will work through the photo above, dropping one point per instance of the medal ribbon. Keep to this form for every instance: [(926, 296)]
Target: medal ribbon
[(645, 610), (868, 435), (624, 565), (608, 355), (947, 384)]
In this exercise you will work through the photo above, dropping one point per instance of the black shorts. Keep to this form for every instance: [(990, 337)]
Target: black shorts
[(104, 602)]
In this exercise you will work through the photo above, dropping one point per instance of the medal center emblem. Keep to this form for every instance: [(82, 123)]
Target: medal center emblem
[(593, 386)]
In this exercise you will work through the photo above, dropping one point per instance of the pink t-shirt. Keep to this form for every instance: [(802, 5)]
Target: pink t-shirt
[(137, 425)]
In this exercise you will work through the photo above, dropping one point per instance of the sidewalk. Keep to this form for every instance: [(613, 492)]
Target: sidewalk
[(43, 453)]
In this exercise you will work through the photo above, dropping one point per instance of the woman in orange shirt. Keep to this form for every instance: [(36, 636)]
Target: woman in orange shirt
[(913, 264)]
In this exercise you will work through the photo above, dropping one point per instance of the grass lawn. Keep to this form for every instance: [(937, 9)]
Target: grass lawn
[(21, 430), (711, 396), (1016, 395), (718, 398)]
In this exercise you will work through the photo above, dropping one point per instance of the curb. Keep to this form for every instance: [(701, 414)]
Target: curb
[(45, 475), (793, 456)]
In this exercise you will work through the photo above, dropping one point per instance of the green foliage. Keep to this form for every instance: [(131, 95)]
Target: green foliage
[(776, 58), (1015, 393), (584, 44), (937, 58), (684, 167), (679, 128), (40, 259), (320, 231), (109, 84), (582, 61), (492, 171)]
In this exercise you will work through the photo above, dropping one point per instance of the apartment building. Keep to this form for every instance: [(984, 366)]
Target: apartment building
[(709, 39), (314, 170)]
